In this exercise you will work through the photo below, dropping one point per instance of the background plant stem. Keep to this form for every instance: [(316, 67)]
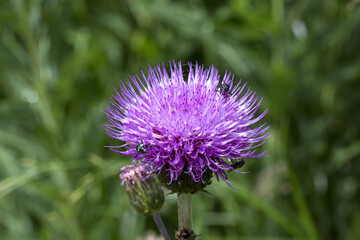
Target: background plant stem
[(160, 225)]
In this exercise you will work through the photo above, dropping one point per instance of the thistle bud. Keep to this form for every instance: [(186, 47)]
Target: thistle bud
[(144, 191)]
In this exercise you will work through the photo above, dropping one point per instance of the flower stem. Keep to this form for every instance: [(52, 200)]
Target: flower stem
[(160, 225), (185, 218)]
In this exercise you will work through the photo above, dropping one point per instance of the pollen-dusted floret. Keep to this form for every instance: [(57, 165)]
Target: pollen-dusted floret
[(191, 126)]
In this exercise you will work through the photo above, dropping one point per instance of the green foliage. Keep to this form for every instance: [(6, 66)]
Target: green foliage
[(59, 61)]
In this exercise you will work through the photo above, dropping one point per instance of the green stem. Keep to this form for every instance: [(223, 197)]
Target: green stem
[(160, 225), (185, 215)]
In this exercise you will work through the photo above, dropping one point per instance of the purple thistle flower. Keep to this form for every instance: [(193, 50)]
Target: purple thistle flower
[(187, 126)]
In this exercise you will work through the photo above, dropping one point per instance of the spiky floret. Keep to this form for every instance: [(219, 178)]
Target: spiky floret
[(186, 126)]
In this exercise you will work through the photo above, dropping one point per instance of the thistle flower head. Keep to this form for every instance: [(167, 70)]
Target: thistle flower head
[(193, 126)]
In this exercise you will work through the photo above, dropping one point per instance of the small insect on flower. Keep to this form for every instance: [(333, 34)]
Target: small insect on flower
[(224, 89), (141, 147), (237, 163)]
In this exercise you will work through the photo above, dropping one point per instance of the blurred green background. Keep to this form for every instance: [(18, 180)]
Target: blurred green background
[(59, 61)]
